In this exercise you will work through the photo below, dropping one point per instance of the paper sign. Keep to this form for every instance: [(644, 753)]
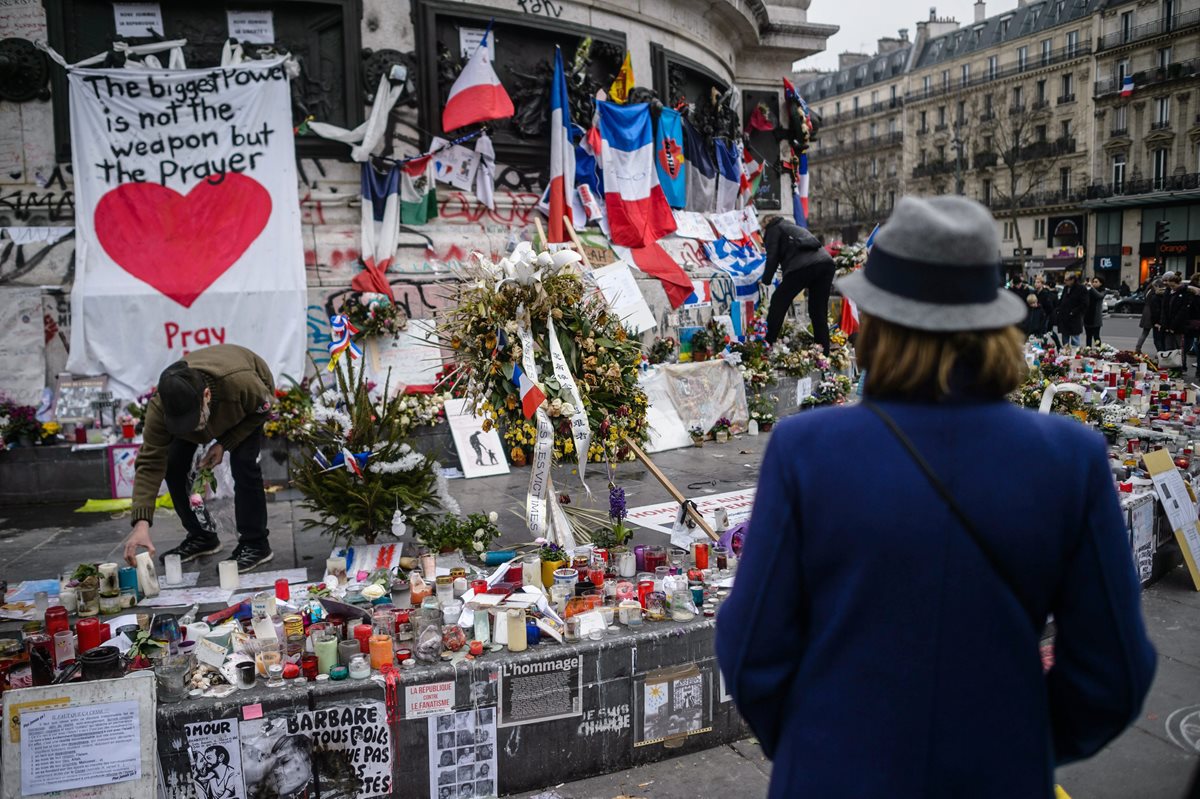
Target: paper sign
[(693, 225), (804, 389), (661, 516), (454, 164), (255, 27), (1141, 528), (410, 359), (469, 39), (171, 597), (79, 747), (750, 224), (137, 19), (431, 699), (1180, 505), (480, 452), (728, 224), (267, 579), (215, 753), (252, 711), (357, 735), (617, 284), (462, 754)]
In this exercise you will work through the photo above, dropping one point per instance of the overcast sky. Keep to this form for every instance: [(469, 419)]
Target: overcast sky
[(863, 22)]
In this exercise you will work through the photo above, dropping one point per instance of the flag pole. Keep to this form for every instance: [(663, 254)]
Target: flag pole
[(688, 507), (576, 241), (541, 233)]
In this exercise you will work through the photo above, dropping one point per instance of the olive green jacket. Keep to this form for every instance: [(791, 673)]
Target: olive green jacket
[(242, 390)]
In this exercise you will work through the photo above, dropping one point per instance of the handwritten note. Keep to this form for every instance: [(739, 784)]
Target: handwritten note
[(137, 19), (78, 747), (617, 284)]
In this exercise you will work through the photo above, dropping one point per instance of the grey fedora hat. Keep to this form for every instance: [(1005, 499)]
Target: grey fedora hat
[(935, 266)]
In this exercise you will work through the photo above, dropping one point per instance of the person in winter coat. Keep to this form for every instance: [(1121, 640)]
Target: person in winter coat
[(1094, 316), (907, 665), (1151, 313), (1177, 311), (1048, 302), (223, 394), (805, 265), (1035, 323), (1072, 306)]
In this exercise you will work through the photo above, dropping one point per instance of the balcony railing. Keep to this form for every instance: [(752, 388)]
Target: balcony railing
[(864, 111), (1162, 124), (931, 168), (1066, 98), (1008, 70), (1179, 70), (984, 160), (858, 145), (1127, 188), (987, 116), (1045, 149), (1039, 199), (1016, 108), (1039, 105), (1118, 132), (1158, 27), (939, 127)]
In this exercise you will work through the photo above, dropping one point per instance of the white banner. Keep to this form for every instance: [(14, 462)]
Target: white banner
[(187, 219), (581, 434)]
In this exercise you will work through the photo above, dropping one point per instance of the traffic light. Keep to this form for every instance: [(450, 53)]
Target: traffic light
[(1162, 231)]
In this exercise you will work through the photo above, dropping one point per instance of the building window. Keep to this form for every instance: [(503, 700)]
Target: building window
[(924, 157), (1047, 49), (987, 144), (1064, 181), (993, 67), (875, 97), (873, 130), (1162, 111), (1065, 129), (874, 202), (961, 116), (1126, 26), (945, 79), (855, 103), (1039, 228), (1039, 133), (1122, 71), (1022, 57), (874, 167), (1160, 167), (1018, 96), (1118, 172), (924, 126), (941, 153), (941, 115), (893, 95), (1164, 57), (1040, 93), (987, 105), (966, 74), (1068, 87), (1120, 125), (892, 125), (1072, 43), (985, 194), (927, 84), (1169, 15), (837, 108)]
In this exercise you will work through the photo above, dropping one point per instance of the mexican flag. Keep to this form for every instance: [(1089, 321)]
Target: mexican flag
[(418, 199)]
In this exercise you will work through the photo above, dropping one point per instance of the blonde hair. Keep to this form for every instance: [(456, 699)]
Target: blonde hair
[(905, 363)]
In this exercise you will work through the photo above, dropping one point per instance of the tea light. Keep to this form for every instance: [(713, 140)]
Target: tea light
[(360, 669), (228, 572)]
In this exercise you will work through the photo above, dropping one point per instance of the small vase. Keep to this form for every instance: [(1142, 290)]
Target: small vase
[(699, 357), (697, 442), (722, 436), (765, 427), (548, 569)]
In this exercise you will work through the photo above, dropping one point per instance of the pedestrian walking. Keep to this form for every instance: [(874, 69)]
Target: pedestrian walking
[(1072, 306), (1094, 315), (1177, 313), (1035, 324), (222, 394), (1123, 291), (805, 265), (1151, 312), (905, 663)]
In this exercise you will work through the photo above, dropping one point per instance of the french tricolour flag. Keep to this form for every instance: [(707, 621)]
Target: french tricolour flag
[(477, 94), (800, 193), (562, 154), (1127, 86), (531, 396), (638, 213)]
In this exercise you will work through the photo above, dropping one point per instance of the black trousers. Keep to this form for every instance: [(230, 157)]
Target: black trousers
[(249, 499), (818, 279), (1093, 334)]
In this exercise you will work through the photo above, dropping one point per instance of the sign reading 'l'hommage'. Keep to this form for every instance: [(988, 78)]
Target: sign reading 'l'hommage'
[(187, 219)]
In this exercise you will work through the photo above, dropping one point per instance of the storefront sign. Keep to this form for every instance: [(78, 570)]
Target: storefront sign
[(540, 691), (187, 219), (431, 699)]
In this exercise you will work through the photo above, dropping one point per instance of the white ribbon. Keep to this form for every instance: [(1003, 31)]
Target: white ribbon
[(580, 431), (539, 477)]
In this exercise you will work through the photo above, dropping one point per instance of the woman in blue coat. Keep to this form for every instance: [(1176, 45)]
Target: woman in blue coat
[(882, 639)]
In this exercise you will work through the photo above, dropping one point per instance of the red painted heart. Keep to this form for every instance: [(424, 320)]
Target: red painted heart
[(181, 243)]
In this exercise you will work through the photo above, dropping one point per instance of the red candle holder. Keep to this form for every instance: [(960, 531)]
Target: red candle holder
[(88, 632), (283, 591), (362, 634), (308, 667), (56, 620)]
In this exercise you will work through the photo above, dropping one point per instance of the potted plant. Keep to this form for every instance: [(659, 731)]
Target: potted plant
[(762, 410), (663, 350), (697, 435), (51, 434), (454, 533), (720, 429), (18, 424), (553, 557)]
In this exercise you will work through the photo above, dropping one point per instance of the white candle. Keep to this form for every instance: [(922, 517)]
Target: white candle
[(230, 579), (174, 566)]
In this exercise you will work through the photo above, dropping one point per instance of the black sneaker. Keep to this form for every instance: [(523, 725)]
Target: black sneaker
[(248, 556), (194, 547)]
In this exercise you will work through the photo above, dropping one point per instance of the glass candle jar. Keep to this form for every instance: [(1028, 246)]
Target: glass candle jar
[(347, 650), (55, 620), (128, 598), (626, 563), (270, 655), (172, 569), (383, 621), (445, 589), (360, 668), (68, 598), (381, 651), (722, 557), (309, 667), (656, 606), (700, 554), (64, 649), (283, 591), (40, 648), (110, 603), (654, 557), (88, 631), (531, 570), (483, 624), (89, 601), (245, 675), (624, 590), (325, 645)]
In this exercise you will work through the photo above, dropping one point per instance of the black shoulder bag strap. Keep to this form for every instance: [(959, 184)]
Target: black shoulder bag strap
[(980, 542)]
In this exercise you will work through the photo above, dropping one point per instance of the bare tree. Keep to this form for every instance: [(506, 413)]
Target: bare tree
[(849, 183), (1024, 156)]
